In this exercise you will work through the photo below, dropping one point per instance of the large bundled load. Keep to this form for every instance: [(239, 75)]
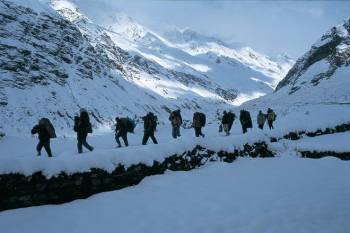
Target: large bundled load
[(129, 124), (199, 119), (245, 119), (84, 117), (48, 126)]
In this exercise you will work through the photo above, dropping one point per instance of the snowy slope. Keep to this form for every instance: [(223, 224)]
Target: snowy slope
[(233, 53), (316, 89), (321, 75), (286, 194), (55, 59)]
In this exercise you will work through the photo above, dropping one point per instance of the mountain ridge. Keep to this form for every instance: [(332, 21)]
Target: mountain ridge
[(56, 61)]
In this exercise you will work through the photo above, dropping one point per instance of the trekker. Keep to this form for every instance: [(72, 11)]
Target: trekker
[(176, 122), (150, 125), (46, 131), (261, 118), (83, 127), (225, 123), (121, 131), (198, 123), (271, 117), (246, 120), (231, 119)]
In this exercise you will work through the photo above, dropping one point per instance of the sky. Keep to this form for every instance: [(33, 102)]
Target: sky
[(270, 27)]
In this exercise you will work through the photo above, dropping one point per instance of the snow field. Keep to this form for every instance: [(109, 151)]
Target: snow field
[(18, 155), (338, 142), (285, 194), (106, 156)]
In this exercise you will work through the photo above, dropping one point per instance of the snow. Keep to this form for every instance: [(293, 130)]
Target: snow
[(334, 142), (307, 118), (134, 91), (106, 156), (286, 194)]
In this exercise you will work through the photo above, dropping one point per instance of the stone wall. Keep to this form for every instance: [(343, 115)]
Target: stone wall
[(17, 190), (321, 154), (298, 134)]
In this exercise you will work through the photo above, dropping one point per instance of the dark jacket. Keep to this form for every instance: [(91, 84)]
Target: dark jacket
[(199, 120), (225, 119), (231, 117), (149, 123), (44, 135), (121, 127), (175, 118), (82, 127), (245, 119)]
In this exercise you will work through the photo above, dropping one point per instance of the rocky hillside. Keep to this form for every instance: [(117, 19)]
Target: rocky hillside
[(333, 50), (55, 60), (320, 77)]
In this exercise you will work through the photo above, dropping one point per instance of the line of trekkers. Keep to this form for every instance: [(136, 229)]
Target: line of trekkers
[(82, 127)]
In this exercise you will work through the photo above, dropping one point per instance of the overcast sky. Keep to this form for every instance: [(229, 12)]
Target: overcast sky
[(270, 27)]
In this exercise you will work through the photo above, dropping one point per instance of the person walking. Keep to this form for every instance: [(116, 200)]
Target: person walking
[(121, 131), (150, 125), (261, 118), (83, 127), (176, 122), (45, 132), (245, 120), (198, 122), (271, 117), (225, 123), (231, 119)]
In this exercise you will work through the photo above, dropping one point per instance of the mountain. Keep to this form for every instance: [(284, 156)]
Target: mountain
[(327, 59), (196, 44), (315, 93), (320, 76), (55, 60)]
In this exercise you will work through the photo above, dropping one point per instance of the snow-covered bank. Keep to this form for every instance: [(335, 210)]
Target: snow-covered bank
[(100, 172), (305, 120), (334, 142), (109, 159), (285, 194)]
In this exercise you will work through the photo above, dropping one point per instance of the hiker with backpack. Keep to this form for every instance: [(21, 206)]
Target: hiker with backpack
[(225, 123), (271, 117), (260, 119), (246, 120), (176, 122), (46, 131), (150, 125), (121, 131), (231, 119), (198, 122), (83, 127)]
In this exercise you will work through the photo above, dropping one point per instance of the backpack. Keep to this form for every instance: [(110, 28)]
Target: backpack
[(130, 125), (271, 116), (150, 122), (89, 127), (48, 126), (232, 117), (202, 119)]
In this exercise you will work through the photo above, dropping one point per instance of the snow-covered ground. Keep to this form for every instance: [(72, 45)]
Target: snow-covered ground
[(338, 143), (286, 194), (18, 154)]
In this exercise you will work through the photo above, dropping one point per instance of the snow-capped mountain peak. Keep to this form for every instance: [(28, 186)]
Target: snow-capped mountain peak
[(115, 67)]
